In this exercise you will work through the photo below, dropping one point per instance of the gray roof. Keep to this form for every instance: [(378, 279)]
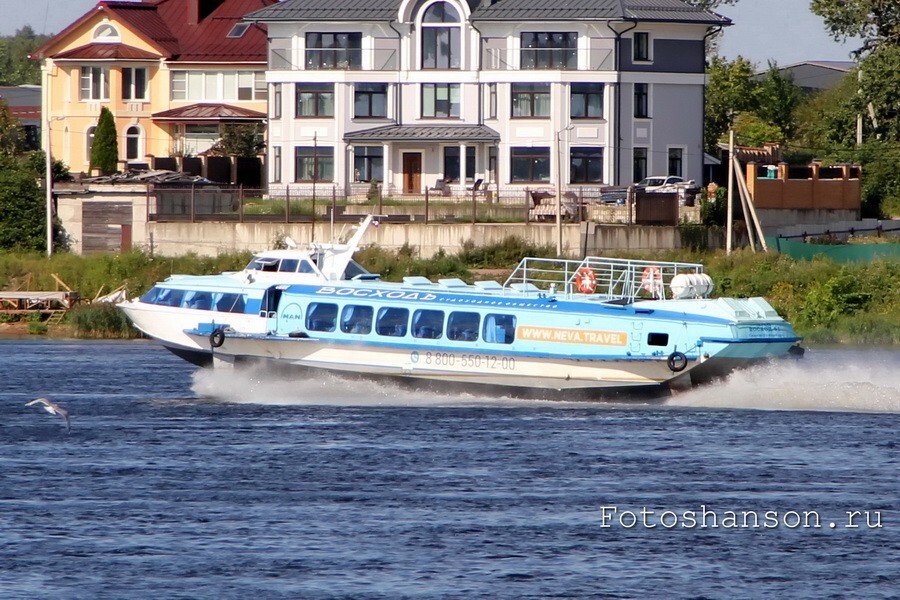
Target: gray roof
[(499, 10), (431, 133), (328, 10)]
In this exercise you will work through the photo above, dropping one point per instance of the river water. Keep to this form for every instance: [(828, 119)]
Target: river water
[(179, 483)]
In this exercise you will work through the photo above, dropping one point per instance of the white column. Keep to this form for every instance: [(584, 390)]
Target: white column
[(462, 164)]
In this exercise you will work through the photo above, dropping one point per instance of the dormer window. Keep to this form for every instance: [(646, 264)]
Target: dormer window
[(441, 32), (106, 33)]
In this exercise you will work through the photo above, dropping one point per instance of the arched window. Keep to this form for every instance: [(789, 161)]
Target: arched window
[(89, 143), (441, 32), (106, 33), (132, 142)]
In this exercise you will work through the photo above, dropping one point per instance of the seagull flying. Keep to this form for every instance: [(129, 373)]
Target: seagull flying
[(52, 408)]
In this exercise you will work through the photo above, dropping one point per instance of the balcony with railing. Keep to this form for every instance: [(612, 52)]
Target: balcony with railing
[(384, 57), (497, 57)]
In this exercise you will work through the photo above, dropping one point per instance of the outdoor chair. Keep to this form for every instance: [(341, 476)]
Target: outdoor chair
[(442, 186)]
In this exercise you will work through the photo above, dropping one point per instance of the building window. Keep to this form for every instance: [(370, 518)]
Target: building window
[(492, 101), (315, 100), (260, 88), (276, 164), (642, 101), (89, 142), (545, 50), (440, 37), (368, 163), (586, 165), (440, 100), (530, 100), (641, 46), (639, 165), (676, 162), (134, 83), (329, 51), (276, 100), (94, 83), (132, 142), (218, 85), (313, 163), (587, 100), (106, 33), (370, 100), (452, 166), (530, 165)]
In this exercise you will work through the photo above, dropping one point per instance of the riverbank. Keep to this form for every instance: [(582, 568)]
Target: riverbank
[(825, 301)]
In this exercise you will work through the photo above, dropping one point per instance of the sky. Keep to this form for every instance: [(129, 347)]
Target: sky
[(783, 30)]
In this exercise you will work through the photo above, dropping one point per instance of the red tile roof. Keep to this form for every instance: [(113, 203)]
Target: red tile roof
[(171, 26), (107, 51), (207, 113)]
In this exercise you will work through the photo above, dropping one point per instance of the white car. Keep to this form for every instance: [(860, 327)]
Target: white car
[(665, 183)]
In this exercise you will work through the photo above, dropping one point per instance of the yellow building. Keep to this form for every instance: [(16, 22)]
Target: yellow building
[(171, 72)]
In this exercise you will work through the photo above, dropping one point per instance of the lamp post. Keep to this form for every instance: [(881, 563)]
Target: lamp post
[(558, 186), (48, 181)]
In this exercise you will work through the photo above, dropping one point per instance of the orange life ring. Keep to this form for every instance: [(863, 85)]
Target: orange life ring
[(651, 280), (585, 280)]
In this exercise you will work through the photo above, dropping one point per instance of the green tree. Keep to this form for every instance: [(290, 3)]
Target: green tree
[(879, 92), (827, 120), (22, 210), (777, 99), (240, 139), (16, 68), (877, 22), (105, 149), (12, 136), (751, 130), (729, 90)]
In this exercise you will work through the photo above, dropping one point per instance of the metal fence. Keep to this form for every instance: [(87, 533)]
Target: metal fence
[(320, 202)]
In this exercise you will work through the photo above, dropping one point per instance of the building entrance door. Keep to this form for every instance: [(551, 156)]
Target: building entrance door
[(412, 172)]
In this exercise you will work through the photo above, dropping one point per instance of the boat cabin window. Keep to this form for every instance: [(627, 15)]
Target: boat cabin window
[(392, 321), (306, 267), (150, 296), (263, 263), (230, 303), (357, 319), (321, 316), (499, 329), (428, 324), (353, 269), (658, 339), (169, 297), (463, 326), (197, 300), (288, 265)]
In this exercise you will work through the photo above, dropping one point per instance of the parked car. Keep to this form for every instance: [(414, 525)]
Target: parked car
[(665, 183), (687, 190)]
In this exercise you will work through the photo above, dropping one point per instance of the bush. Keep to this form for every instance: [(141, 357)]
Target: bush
[(100, 320)]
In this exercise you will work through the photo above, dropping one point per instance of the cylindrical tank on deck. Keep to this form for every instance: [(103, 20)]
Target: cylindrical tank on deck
[(691, 285)]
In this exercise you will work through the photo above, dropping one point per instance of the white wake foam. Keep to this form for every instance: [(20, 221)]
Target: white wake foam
[(261, 385), (833, 380)]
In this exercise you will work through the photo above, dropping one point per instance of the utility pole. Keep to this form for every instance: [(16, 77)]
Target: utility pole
[(730, 208)]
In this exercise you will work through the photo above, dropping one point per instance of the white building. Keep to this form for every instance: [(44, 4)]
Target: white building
[(510, 92)]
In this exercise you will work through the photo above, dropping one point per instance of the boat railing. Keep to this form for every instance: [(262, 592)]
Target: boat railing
[(612, 279)]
